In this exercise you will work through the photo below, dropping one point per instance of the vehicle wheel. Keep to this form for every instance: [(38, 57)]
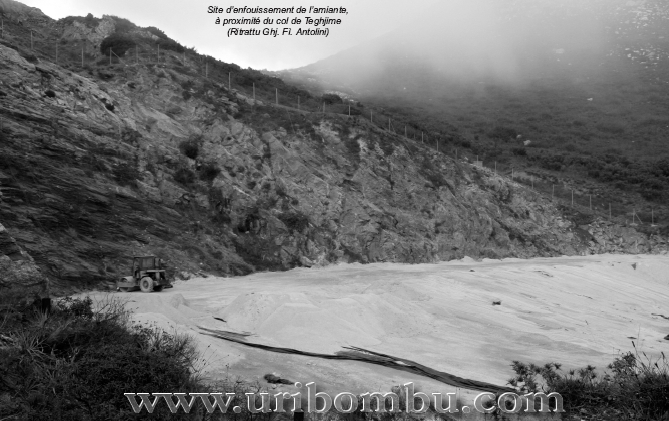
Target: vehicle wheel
[(146, 284), (124, 289), (158, 288)]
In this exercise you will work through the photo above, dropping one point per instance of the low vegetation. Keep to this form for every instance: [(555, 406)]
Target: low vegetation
[(118, 43), (184, 176), (209, 171), (76, 361), (634, 388), (190, 148)]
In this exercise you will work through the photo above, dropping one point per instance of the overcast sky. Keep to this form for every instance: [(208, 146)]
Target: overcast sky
[(189, 23)]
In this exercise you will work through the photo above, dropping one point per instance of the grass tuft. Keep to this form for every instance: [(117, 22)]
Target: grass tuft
[(635, 387)]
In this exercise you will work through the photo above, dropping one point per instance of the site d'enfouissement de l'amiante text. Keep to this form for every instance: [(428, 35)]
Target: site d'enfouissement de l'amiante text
[(246, 9)]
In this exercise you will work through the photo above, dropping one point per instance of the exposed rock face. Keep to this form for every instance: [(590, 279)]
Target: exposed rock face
[(612, 238), (94, 169), (22, 12), (20, 278), (93, 35)]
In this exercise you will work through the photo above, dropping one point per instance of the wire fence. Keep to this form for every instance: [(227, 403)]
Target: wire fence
[(83, 54)]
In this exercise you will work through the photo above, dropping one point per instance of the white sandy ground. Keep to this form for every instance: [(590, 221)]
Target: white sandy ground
[(572, 310)]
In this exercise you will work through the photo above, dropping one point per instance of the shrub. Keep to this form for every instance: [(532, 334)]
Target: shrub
[(184, 176), (90, 21), (76, 362), (157, 32), (612, 128), (267, 153), (190, 148), (31, 58), (519, 151), (353, 147), (130, 136), (635, 389), (126, 174), (118, 43), (170, 44), (294, 221), (331, 99), (209, 172), (105, 75), (661, 167), (503, 133), (280, 190), (123, 25), (50, 93)]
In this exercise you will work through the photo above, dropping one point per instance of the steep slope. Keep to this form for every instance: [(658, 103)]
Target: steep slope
[(126, 159), (587, 82)]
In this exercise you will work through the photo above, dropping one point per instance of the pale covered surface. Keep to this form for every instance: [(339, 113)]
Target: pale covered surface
[(572, 310)]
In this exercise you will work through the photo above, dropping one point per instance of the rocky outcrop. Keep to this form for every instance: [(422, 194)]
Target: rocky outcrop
[(93, 36), (21, 12), (21, 280), (608, 237)]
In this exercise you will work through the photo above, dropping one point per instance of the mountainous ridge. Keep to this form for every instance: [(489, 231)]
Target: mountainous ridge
[(579, 98), (101, 162)]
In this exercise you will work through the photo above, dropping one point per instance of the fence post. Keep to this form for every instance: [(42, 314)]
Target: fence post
[(349, 110), (56, 52), (495, 167), (110, 51), (82, 56), (137, 54), (609, 211), (229, 83), (421, 137), (206, 70), (31, 40), (590, 202), (276, 93), (254, 91), (158, 59), (553, 194), (371, 116), (298, 102), (572, 198)]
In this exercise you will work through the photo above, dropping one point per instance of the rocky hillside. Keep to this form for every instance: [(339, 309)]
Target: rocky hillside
[(108, 161), (574, 91)]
